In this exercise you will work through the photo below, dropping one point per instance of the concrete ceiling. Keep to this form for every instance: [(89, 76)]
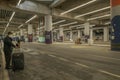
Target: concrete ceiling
[(46, 2), (20, 17)]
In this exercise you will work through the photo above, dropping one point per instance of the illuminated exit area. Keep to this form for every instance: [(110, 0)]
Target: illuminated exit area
[(62, 39)]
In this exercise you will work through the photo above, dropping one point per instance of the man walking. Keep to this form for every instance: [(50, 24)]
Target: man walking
[(8, 48)]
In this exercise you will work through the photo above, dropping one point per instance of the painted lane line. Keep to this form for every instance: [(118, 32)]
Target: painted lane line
[(60, 58), (63, 59), (108, 73), (85, 66), (106, 57), (33, 53), (82, 65), (53, 56), (99, 70)]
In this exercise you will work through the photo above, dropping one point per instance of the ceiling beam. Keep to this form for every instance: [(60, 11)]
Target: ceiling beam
[(11, 22), (56, 3), (26, 6), (71, 16)]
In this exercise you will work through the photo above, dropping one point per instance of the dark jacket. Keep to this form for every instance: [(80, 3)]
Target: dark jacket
[(8, 45)]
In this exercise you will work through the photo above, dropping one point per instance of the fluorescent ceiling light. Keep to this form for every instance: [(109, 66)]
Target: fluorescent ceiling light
[(66, 29), (19, 2), (28, 21), (80, 27), (75, 26), (6, 27), (93, 12), (12, 16), (59, 22), (78, 7), (31, 18), (68, 24), (99, 17), (8, 24), (56, 2), (107, 23), (20, 26)]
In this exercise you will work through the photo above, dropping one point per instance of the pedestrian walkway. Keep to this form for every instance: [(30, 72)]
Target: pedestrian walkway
[(0, 66), (3, 72)]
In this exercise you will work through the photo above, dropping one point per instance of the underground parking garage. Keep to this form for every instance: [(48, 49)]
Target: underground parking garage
[(62, 39)]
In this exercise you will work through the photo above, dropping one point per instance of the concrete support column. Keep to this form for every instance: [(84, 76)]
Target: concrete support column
[(48, 29), (18, 34), (91, 34), (105, 31), (90, 41), (115, 34), (38, 29), (71, 35), (61, 34), (21, 32), (57, 32), (94, 35), (22, 36), (79, 34), (87, 29), (30, 32), (87, 32)]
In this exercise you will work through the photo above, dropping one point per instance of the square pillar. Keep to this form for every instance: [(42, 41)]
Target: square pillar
[(61, 34), (71, 35), (30, 32), (105, 31), (48, 29)]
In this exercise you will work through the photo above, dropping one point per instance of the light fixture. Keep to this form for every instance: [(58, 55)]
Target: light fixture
[(59, 22), (6, 28), (20, 26), (75, 26), (19, 2), (99, 17), (28, 20), (12, 16), (68, 24), (92, 12), (66, 29), (31, 18), (107, 23), (78, 7), (80, 27), (8, 24)]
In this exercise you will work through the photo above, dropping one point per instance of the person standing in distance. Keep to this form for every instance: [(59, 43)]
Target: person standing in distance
[(8, 48)]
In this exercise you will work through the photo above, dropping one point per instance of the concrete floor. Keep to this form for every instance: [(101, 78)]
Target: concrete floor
[(68, 62)]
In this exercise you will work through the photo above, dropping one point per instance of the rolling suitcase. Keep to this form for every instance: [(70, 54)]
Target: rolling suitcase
[(17, 60)]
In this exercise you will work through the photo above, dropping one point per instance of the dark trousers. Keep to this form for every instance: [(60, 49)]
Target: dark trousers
[(8, 56)]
